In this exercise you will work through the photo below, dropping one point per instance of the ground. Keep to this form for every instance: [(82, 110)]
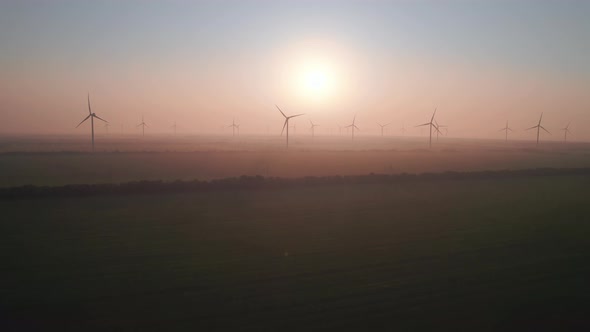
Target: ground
[(422, 255)]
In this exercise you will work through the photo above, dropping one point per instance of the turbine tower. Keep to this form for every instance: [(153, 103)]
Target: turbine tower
[(383, 127), (312, 128), (91, 116), (506, 130), (431, 125), (174, 127), (233, 126), (353, 126), (539, 127), (286, 124), (143, 125), (566, 131)]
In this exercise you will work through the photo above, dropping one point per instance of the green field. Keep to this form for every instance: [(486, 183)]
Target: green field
[(470, 255)]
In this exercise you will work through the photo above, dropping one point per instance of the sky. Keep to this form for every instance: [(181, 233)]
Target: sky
[(205, 63)]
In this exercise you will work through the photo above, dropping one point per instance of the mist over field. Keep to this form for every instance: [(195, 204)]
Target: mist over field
[(293, 165)]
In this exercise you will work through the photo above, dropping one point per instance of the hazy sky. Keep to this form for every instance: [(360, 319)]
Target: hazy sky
[(203, 63)]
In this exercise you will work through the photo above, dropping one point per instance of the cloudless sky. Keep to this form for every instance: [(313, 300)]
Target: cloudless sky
[(204, 63)]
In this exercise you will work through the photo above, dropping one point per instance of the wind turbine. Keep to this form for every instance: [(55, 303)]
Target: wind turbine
[(143, 125), (233, 126), (91, 116), (286, 124), (506, 129), (353, 126), (174, 127), (312, 128), (438, 129), (566, 130), (383, 126), (431, 125), (106, 126), (539, 127)]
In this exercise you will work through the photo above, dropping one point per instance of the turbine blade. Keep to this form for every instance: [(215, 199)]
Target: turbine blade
[(422, 125), (296, 115), (433, 114), (357, 128), (545, 129), (96, 116), (284, 125), (86, 118), (280, 110), (89, 110), (532, 127)]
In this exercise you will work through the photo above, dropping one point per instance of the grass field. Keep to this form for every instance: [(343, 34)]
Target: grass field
[(470, 255)]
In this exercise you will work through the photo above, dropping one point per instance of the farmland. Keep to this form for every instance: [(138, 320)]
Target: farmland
[(475, 254)]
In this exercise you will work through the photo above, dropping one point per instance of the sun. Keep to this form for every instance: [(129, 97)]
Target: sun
[(317, 81)]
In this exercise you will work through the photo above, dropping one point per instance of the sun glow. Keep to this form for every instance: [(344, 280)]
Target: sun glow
[(317, 81)]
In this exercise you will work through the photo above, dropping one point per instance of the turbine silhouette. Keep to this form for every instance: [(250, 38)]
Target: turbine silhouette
[(506, 130), (566, 131), (539, 127), (286, 124), (353, 126), (383, 126), (313, 125), (233, 126), (91, 116), (431, 125), (143, 125)]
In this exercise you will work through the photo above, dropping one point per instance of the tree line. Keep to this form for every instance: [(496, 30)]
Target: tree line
[(260, 183)]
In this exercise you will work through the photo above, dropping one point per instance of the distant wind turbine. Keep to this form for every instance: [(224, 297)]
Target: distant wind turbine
[(438, 129), (106, 126), (506, 130), (431, 125), (383, 126), (539, 127), (233, 126), (353, 126), (174, 127), (286, 124), (91, 116), (566, 131), (313, 125), (142, 125), (403, 129)]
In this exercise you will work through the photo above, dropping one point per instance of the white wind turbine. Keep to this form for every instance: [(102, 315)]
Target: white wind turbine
[(91, 116)]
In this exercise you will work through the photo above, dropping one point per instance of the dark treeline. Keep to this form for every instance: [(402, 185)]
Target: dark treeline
[(258, 182)]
